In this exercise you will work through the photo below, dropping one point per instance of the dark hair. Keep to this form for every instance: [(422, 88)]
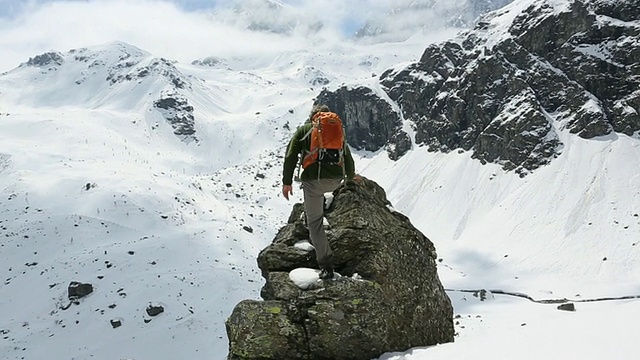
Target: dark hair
[(318, 108)]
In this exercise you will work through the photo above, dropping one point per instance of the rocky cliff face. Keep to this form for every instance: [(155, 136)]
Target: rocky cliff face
[(370, 122), (505, 89), (395, 302)]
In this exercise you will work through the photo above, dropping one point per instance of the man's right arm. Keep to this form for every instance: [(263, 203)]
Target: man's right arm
[(349, 164)]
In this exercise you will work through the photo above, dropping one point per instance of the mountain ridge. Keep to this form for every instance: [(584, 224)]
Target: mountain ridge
[(504, 89)]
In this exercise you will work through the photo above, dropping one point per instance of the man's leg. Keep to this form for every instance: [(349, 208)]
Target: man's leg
[(314, 209)]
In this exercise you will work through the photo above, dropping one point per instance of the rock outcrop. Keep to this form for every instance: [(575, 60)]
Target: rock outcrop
[(51, 58), (389, 297), (506, 89), (175, 108), (370, 121)]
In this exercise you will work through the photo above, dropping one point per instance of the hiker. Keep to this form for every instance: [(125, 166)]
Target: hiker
[(319, 177)]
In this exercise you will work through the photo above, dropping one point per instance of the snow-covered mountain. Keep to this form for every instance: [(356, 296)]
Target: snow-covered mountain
[(158, 183), (502, 92)]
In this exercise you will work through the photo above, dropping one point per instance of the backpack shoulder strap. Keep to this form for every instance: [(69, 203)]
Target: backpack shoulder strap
[(306, 135)]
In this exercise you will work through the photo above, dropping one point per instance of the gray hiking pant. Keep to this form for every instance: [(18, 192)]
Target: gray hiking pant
[(314, 208)]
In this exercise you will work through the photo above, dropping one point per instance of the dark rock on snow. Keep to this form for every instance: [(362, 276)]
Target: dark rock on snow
[(116, 323), (397, 303), (567, 307), (49, 58), (154, 310), (369, 121), (210, 61), (504, 92), (79, 290), (175, 108)]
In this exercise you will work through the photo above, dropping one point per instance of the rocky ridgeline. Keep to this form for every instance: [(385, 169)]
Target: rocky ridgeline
[(389, 297), (506, 88)]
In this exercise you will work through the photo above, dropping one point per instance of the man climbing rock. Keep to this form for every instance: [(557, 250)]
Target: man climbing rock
[(327, 161)]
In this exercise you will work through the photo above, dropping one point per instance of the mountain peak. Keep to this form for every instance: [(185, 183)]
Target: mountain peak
[(48, 58), (509, 88), (90, 75), (114, 75)]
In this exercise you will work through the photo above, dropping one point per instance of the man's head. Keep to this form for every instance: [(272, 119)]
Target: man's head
[(318, 108)]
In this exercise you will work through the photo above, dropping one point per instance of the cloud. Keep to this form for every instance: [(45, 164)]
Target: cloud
[(160, 27), (170, 29), (186, 30)]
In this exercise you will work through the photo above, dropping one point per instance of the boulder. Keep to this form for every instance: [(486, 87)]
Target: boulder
[(77, 290), (388, 297)]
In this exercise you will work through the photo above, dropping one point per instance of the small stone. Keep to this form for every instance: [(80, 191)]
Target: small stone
[(567, 307), (116, 323), (154, 310), (78, 290)]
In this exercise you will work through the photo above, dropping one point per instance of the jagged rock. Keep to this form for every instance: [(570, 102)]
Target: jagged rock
[(49, 58), (130, 68), (154, 310), (503, 92), (210, 61), (398, 145), (315, 76), (395, 303), (176, 109), (483, 295), (79, 290), (567, 307), (116, 323), (369, 120)]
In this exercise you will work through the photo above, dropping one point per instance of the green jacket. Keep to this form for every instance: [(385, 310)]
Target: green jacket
[(296, 147)]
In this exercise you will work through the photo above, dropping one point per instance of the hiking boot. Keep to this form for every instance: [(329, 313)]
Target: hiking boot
[(326, 273)]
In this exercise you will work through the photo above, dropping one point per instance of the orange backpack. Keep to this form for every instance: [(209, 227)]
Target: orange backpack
[(327, 140)]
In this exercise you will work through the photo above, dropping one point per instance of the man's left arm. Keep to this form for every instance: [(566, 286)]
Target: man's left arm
[(291, 158)]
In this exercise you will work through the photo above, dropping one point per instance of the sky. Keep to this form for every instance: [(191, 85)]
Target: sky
[(191, 29)]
